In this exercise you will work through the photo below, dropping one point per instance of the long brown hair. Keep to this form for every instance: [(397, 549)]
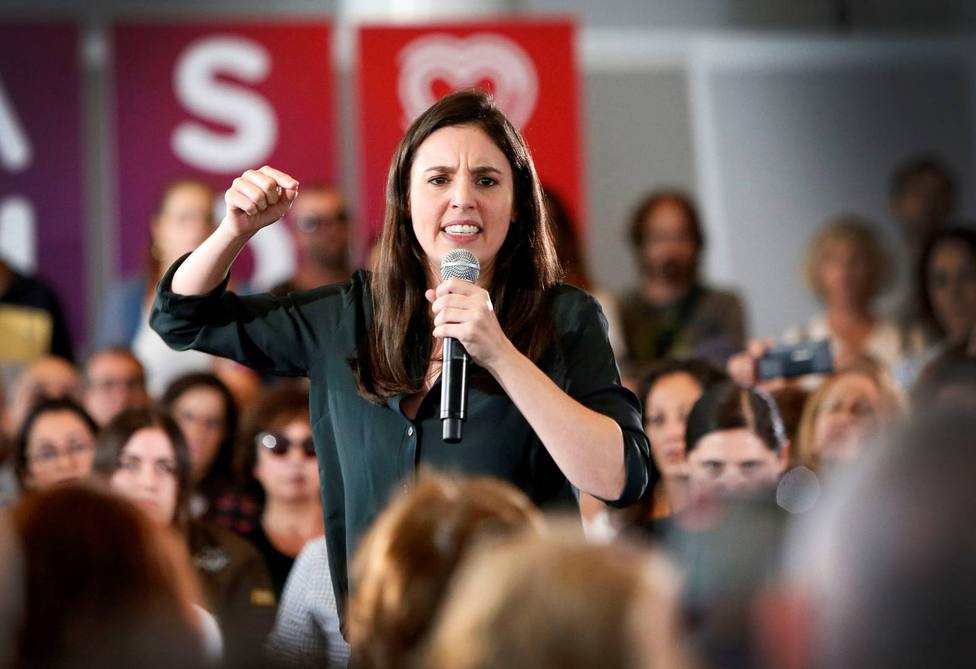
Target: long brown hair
[(393, 359), (104, 585), (404, 565)]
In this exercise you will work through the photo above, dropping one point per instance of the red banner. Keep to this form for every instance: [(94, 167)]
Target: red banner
[(212, 100), (528, 66), (41, 208)]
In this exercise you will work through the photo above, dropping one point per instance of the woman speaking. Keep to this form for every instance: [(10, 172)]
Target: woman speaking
[(546, 411)]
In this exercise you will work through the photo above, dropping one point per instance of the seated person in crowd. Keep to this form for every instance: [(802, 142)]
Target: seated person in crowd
[(32, 323), (846, 269), (553, 601), (113, 380), (880, 575), (570, 251), (735, 443), (182, 221), (143, 456), (320, 229), (276, 459), (205, 410), (949, 379), (946, 297), (56, 445), (672, 312), (921, 199), (306, 631), (402, 569), (49, 377), (845, 411), (105, 587)]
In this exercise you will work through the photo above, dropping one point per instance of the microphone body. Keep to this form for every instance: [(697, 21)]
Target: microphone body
[(454, 361)]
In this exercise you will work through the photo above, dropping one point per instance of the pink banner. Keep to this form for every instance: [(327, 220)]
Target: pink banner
[(529, 66), (212, 100), (41, 208)]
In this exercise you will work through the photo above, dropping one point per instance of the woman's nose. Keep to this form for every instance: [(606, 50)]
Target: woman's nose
[(462, 195)]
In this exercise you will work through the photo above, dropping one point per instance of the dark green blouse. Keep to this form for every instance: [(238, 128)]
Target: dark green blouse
[(367, 451)]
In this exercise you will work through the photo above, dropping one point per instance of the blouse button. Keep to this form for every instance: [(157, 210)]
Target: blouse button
[(410, 431)]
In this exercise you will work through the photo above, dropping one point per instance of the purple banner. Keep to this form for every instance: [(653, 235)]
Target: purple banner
[(41, 211)]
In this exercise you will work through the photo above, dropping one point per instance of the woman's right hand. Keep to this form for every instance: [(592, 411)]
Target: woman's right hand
[(257, 199)]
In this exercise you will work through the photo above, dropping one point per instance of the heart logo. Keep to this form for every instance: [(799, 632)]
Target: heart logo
[(434, 65)]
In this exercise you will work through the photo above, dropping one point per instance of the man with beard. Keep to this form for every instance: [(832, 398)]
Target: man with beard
[(319, 225), (672, 313)]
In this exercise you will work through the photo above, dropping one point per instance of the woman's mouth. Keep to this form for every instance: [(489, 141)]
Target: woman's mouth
[(461, 232)]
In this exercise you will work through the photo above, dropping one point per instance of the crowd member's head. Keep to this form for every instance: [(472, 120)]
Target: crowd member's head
[(846, 264), (56, 444), (204, 409), (320, 223), (184, 218), (488, 197), (948, 379), (668, 391), (113, 380), (276, 454), (567, 239), (143, 456), (667, 236), (839, 416), (947, 285), (407, 559), (105, 587), (559, 602), (882, 572), (921, 196), (735, 442), (49, 377)]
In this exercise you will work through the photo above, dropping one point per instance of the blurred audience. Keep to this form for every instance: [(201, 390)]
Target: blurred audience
[(113, 380), (881, 576), (105, 587), (143, 455), (182, 221), (49, 377), (946, 297), (673, 312), (406, 561), (843, 413), (306, 631), (569, 248), (277, 459), (560, 602), (56, 444), (846, 268), (668, 392), (320, 228), (205, 410), (32, 323), (949, 379)]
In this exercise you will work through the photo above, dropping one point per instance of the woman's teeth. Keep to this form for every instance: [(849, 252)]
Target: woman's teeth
[(461, 229)]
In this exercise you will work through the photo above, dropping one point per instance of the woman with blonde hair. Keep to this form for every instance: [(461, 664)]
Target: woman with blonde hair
[(846, 268), (407, 559), (841, 413)]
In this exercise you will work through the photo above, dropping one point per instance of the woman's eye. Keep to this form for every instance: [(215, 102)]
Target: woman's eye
[(437, 181), (486, 181)]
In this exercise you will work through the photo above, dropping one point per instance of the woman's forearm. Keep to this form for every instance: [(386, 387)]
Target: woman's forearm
[(207, 266), (586, 445)]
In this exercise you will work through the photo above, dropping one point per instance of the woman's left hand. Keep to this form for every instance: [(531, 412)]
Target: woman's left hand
[(464, 311)]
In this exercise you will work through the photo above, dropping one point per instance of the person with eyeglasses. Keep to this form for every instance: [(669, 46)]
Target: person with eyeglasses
[(277, 460), (142, 454), (56, 444), (319, 226)]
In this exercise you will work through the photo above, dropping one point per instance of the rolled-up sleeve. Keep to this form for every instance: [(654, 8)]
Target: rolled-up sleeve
[(594, 381), (265, 332)]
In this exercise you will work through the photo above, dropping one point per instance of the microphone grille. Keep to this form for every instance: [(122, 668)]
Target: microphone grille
[(461, 264)]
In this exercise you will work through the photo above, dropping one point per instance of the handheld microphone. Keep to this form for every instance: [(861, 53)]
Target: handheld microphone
[(463, 265)]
